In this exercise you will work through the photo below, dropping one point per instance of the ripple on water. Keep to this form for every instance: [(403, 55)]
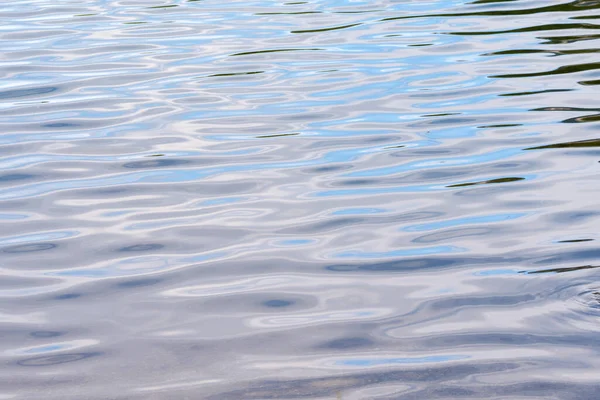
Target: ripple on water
[(299, 199)]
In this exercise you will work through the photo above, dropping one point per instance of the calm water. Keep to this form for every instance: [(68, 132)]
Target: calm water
[(319, 199)]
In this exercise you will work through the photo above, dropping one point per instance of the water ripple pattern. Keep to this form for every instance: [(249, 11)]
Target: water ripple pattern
[(318, 199)]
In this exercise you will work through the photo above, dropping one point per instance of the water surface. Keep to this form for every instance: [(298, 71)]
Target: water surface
[(316, 199)]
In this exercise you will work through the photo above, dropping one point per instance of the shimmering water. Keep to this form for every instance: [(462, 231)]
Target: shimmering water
[(318, 199)]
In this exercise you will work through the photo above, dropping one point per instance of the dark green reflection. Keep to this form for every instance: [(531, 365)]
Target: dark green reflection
[(574, 6), (561, 270), (575, 240), (537, 28), (539, 51), (333, 28), (247, 53), (289, 13), (277, 135), (567, 69), (491, 181), (537, 92), (237, 74), (581, 143)]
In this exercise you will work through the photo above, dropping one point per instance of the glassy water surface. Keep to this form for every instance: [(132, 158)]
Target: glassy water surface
[(317, 199)]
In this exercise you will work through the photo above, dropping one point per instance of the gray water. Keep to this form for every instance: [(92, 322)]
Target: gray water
[(318, 199)]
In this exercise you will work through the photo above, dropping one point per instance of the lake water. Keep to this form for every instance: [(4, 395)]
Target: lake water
[(319, 199)]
